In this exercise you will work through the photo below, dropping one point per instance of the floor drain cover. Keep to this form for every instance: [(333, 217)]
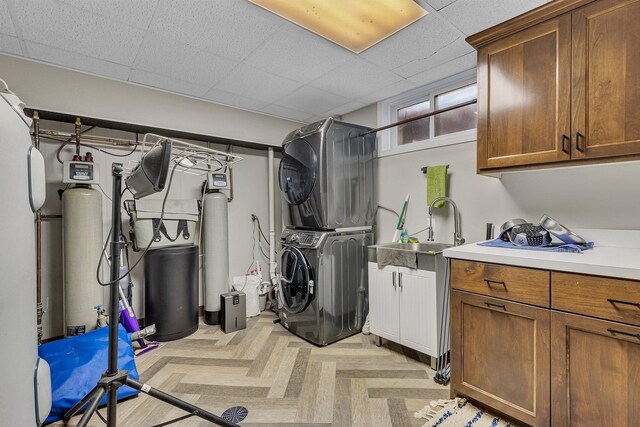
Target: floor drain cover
[(235, 414)]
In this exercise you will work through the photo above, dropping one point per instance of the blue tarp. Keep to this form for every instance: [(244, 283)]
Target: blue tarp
[(77, 364), (553, 247)]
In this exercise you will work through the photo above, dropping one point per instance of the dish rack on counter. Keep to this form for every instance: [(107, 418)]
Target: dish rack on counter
[(189, 158)]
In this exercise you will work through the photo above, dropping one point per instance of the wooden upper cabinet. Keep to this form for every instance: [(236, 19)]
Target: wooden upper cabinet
[(606, 79), (524, 97)]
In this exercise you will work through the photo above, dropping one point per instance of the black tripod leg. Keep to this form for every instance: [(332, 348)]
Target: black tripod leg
[(178, 403), (71, 412), (112, 402), (92, 408)]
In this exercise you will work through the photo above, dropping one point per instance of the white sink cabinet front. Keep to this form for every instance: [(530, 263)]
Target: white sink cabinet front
[(403, 307)]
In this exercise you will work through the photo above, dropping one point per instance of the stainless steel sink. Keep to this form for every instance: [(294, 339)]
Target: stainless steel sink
[(429, 248), (427, 255)]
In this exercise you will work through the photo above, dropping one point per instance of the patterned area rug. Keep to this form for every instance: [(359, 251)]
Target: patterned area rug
[(456, 413)]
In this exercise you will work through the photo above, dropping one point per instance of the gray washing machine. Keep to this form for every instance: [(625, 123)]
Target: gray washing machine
[(326, 176), (323, 294)]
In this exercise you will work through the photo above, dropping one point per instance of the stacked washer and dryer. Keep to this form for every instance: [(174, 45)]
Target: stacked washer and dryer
[(327, 183)]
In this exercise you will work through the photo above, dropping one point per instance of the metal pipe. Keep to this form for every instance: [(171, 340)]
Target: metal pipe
[(78, 133), (230, 169), (96, 139), (272, 222), (422, 116), (39, 308)]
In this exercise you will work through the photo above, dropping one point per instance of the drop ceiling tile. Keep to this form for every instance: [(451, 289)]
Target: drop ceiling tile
[(166, 83), (227, 98), (10, 45), (76, 61), (418, 41), (456, 66), (298, 55), (229, 28), (287, 113), (344, 108), (59, 25), (439, 4), (6, 24), (312, 100), (387, 92), (443, 55), (355, 79), (135, 13), (254, 83), (472, 16), (161, 55)]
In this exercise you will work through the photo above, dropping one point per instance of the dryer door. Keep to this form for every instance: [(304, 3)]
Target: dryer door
[(298, 171), (296, 283)]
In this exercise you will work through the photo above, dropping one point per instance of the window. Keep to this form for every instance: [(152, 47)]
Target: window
[(452, 127)]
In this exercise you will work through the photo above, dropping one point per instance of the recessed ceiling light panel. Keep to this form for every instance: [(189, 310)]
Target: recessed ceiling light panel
[(353, 24)]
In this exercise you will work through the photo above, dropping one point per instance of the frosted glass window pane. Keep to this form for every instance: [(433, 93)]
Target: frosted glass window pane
[(457, 120), (414, 131)]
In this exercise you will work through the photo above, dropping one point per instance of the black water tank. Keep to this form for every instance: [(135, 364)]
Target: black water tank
[(171, 291)]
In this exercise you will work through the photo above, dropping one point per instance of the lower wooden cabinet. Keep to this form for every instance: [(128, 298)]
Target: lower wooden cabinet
[(595, 372), (500, 355), (404, 308)]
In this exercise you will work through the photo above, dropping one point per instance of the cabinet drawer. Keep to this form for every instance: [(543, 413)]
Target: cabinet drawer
[(610, 299), (518, 284)]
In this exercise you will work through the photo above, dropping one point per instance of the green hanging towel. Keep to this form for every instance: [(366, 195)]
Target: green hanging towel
[(436, 184)]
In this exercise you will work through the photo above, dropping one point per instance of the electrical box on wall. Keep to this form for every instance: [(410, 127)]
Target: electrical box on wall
[(78, 172), (218, 181)]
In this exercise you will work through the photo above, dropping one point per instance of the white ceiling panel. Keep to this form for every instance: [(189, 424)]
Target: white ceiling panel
[(230, 28), (456, 66), (234, 100), (257, 84), (443, 55), (136, 13), (288, 113), (166, 83), (472, 16), (438, 4), (76, 61), (416, 42), (298, 54), (10, 45), (355, 79), (235, 53), (312, 100), (6, 24), (58, 25), (161, 55)]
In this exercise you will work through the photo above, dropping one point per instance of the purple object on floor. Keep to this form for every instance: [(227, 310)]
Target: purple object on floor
[(553, 247)]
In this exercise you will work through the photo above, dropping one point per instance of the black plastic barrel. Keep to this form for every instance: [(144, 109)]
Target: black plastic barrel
[(171, 291)]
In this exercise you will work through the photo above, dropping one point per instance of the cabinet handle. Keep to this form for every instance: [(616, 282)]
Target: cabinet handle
[(400, 279), (617, 301), (491, 304), (489, 282), (564, 138), (578, 136), (394, 279), (629, 334)]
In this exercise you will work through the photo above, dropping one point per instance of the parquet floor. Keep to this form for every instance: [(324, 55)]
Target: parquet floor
[(283, 380)]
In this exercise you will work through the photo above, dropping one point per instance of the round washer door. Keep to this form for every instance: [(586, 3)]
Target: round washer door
[(296, 283), (298, 170)]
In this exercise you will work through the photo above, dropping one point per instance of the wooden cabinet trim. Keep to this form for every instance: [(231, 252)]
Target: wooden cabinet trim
[(521, 22)]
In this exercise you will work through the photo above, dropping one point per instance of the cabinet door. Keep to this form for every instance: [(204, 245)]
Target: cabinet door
[(595, 372), (606, 79), (383, 302), (524, 100), (500, 356), (418, 310)]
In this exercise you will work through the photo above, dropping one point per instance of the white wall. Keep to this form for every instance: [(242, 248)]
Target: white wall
[(250, 196), (604, 196), (59, 89)]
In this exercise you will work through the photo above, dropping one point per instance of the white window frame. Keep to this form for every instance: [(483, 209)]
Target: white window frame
[(387, 113)]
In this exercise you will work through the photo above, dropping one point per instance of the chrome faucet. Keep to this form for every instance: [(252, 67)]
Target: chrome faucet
[(457, 236)]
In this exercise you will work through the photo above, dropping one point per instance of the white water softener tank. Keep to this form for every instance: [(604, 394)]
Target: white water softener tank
[(82, 248), (216, 254)]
